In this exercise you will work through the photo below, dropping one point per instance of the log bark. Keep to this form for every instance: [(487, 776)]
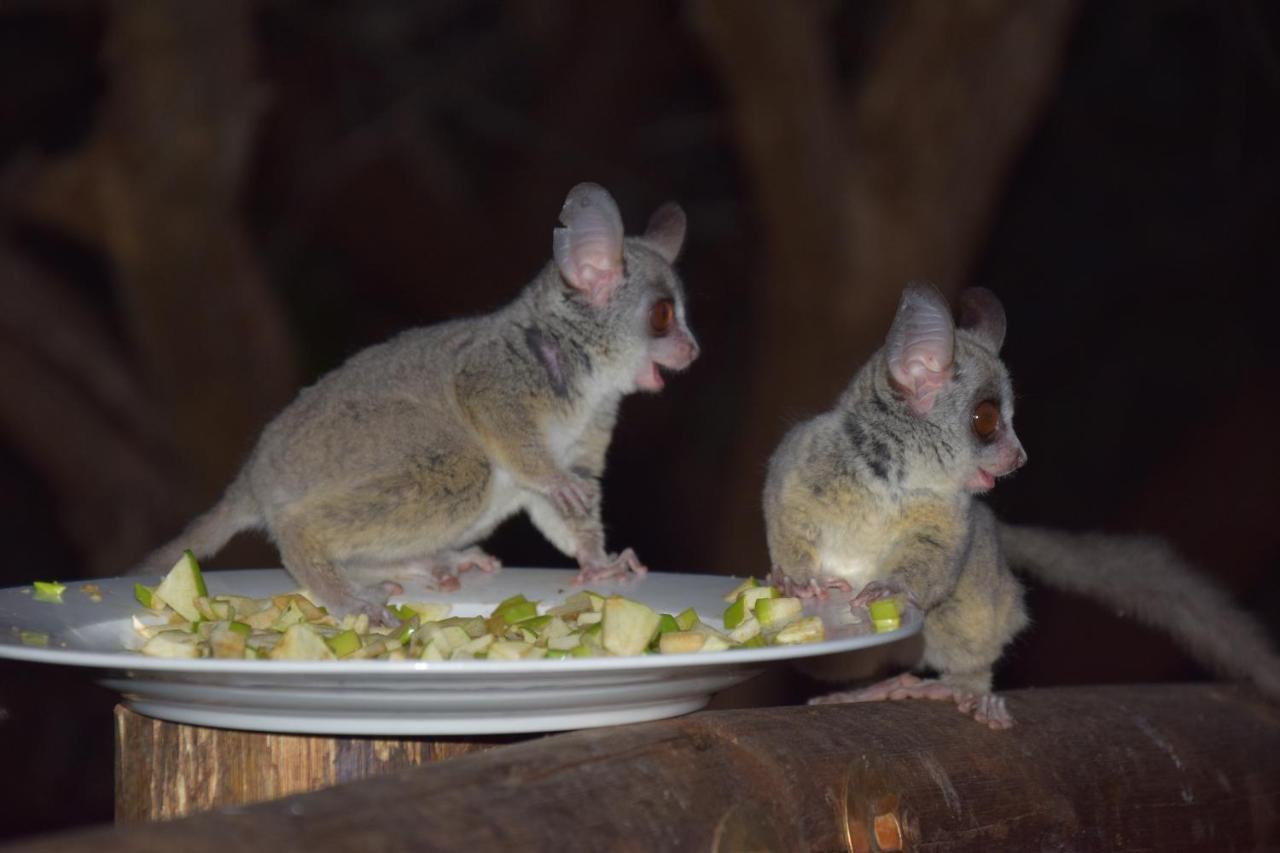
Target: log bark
[(169, 770), (1157, 767), (861, 189)]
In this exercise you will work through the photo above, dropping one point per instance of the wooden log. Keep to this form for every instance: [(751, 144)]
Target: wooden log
[(1159, 767), (169, 770)]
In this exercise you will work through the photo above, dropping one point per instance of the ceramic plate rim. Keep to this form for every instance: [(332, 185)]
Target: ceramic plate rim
[(124, 659)]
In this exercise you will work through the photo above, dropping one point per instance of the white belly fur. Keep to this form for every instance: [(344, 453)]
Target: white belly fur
[(505, 500), (856, 570)]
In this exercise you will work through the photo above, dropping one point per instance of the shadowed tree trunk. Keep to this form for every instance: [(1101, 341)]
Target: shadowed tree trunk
[(162, 422), (896, 179)]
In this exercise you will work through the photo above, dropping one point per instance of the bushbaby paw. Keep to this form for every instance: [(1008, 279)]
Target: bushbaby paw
[(618, 567), (574, 496)]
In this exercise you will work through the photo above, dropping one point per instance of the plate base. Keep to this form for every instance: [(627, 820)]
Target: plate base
[(493, 723)]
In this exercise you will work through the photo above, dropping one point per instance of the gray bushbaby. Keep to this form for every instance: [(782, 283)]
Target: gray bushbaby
[(396, 463), (877, 496)]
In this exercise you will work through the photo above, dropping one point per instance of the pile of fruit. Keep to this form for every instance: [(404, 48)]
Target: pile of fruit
[(293, 627)]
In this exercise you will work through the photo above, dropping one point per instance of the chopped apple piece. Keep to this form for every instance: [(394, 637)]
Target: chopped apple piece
[(143, 595), (808, 630), (344, 643), (554, 627), (745, 630), (749, 583), (628, 625), (182, 586), (885, 615), (735, 613), (470, 649), (301, 642), (509, 650), (775, 612), (263, 619), (35, 638), (751, 596), (714, 643), (680, 642), (293, 615), (374, 648), (173, 644), (205, 608), (428, 611), (356, 622), (225, 642), (242, 606), (473, 626), (577, 603), (50, 592), (303, 604), (565, 643)]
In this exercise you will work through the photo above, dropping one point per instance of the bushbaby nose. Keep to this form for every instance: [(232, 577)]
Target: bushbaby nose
[(1020, 458)]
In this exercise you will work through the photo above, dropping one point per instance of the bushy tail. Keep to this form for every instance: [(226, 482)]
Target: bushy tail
[(236, 511), (1146, 578)]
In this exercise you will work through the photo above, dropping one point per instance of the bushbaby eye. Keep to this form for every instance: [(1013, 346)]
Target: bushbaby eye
[(986, 420), (662, 316)]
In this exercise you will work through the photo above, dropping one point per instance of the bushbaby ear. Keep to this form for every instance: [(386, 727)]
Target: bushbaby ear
[(921, 346), (666, 231), (588, 250), (982, 314)]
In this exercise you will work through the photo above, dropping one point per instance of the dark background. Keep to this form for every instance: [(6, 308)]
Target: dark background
[(205, 206)]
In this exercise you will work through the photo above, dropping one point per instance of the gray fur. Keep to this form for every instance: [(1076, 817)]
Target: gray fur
[(877, 497), (418, 447), (1145, 578)]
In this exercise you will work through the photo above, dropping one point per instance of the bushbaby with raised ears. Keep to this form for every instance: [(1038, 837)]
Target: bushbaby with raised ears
[(396, 464), (877, 498)]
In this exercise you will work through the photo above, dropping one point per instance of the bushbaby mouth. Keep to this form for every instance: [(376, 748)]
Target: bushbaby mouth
[(650, 377), (980, 480)]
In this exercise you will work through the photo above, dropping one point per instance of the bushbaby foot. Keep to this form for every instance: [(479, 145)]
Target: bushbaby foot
[(447, 568), (438, 571), (620, 567), (890, 688), (985, 708), (876, 590), (988, 708), (377, 611), (812, 588)]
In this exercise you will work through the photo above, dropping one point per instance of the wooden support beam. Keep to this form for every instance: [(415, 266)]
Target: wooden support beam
[(170, 770), (1158, 767)]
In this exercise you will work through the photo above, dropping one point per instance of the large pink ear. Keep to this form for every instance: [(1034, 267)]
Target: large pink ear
[(666, 231), (588, 249), (921, 346), (982, 314)]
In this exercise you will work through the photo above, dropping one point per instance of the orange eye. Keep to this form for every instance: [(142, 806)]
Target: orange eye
[(662, 316), (986, 420)]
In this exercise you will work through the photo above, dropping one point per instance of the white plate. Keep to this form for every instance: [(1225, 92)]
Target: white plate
[(370, 697)]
